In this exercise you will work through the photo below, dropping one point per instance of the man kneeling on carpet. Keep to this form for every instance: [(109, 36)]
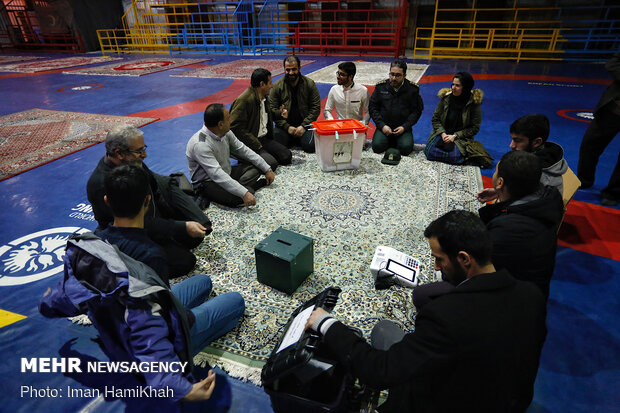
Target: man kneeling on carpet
[(173, 220), (126, 294), (475, 349), (208, 156)]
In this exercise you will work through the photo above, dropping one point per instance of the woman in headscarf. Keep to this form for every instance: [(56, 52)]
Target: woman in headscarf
[(455, 123)]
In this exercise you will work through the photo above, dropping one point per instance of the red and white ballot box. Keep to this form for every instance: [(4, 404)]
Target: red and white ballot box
[(339, 143)]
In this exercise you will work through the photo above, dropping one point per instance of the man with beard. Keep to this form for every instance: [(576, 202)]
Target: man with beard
[(173, 219), (529, 133), (395, 106), (349, 98), (251, 121), (295, 103), (475, 349)]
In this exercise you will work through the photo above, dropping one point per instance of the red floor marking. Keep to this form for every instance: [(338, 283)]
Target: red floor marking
[(225, 96), (593, 229), (563, 114)]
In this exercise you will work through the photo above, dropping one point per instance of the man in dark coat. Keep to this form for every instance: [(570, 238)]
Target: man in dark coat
[(295, 103), (251, 121), (395, 106), (173, 219), (474, 349), (604, 127), (524, 223)]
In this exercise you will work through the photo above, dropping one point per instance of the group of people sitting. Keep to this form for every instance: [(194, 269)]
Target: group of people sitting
[(479, 331)]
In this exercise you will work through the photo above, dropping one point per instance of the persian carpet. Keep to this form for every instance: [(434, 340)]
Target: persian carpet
[(39, 66), (348, 214), (136, 67), (31, 138), (367, 73), (240, 69), (11, 59)]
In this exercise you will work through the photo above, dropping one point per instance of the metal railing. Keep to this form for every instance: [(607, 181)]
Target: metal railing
[(544, 33)]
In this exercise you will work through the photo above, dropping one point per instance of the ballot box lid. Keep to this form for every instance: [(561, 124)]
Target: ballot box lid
[(330, 127)]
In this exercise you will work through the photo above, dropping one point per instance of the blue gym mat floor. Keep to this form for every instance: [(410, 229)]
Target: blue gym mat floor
[(580, 364)]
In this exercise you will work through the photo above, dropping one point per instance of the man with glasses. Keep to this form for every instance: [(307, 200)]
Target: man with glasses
[(173, 219), (395, 106), (349, 98), (294, 103)]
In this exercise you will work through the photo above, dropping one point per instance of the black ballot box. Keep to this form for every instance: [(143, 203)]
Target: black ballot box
[(301, 376), (284, 259)]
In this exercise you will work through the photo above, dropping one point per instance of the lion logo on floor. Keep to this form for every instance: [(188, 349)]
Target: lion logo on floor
[(35, 256)]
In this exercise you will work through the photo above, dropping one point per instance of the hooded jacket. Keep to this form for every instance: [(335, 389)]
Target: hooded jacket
[(472, 151), (137, 316), (524, 234), (553, 163)]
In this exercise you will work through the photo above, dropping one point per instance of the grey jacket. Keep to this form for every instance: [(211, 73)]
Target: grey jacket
[(208, 158)]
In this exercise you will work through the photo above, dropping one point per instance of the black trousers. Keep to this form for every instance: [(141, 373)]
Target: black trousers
[(183, 208), (244, 173), (604, 127), (274, 153), (306, 141)]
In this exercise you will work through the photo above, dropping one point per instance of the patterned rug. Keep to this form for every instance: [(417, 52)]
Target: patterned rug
[(136, 67), (367, 73), (10, 59), (37, 136), (348, 214), (38, 66), (240, 69)]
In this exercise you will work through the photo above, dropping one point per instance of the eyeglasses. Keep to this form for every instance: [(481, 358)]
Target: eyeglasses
[(341, 74), (138, 151), (396, 74)]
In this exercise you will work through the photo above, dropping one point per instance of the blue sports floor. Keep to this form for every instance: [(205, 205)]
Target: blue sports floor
[(580, 365)]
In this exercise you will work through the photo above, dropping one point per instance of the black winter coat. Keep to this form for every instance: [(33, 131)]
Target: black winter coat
[(396, 108), (474, 349), (524, 235)]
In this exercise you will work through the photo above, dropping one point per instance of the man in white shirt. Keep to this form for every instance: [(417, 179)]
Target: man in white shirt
[(349, 98), (208, 156)]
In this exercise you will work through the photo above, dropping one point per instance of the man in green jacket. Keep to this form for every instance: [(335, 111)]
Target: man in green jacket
[(252, 124), (295, 103)]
